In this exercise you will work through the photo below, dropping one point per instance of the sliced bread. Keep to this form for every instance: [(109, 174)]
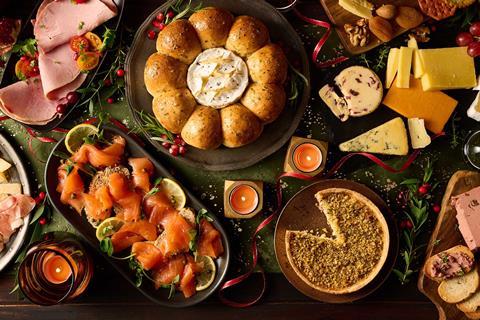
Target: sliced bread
[(471, 304), (458, 289), (428, 267)]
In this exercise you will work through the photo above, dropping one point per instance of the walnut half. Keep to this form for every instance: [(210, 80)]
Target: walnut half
[(358, 34)]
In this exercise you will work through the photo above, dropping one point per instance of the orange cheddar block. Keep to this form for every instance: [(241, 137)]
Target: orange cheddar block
[(435, 107)]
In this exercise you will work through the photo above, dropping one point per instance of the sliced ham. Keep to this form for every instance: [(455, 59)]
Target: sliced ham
[(58, 21), (24, 101), (12, 211), (59, 71)]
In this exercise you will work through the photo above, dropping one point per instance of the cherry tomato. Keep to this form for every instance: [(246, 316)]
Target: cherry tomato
[(474, 49), (25, 69), (475, 29), (464, 39), (87, 61), (79, 44), (95, 42)]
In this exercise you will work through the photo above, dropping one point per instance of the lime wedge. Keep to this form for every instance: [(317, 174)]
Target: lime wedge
[(74, 138), (206, 277)]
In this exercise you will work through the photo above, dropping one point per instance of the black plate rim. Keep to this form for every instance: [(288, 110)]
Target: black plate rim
[(114, 263)]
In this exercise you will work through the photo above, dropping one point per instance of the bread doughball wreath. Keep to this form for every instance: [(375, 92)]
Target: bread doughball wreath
[(216, 79)]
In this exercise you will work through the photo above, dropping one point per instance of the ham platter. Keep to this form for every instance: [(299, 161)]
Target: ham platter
[(38, 81)]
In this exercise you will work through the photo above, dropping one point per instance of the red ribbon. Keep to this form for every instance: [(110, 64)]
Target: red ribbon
[(273, 216)]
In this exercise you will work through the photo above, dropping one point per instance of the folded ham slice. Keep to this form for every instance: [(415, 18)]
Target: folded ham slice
[(59, 72), (58, 21), (12, 211), (24, 101)]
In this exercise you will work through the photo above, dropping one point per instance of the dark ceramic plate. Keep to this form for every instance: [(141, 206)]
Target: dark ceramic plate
[(301, 213), (274, 135), (88, 232), (27, 32)]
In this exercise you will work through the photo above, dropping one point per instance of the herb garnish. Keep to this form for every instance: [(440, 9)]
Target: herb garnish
[(26, 47), (149, 124), (106, 246), (172, 286), (155, 187), (203, 214), (80, 25)]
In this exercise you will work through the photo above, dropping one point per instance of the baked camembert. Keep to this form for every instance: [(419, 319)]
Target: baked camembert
[(353, 255)]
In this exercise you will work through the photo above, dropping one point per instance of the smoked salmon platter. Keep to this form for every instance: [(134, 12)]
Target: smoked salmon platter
[(50, 65), (127, 206)]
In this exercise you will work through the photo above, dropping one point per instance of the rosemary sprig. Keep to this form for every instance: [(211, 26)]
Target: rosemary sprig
[(298, 81), (181, 9), (149, 124)]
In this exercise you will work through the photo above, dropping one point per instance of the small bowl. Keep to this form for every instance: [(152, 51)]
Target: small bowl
[(471, 148)]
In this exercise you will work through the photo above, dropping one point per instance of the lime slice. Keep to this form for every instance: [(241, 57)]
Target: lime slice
[(174, 192), (108, 227), (205, 279), (74, 138)]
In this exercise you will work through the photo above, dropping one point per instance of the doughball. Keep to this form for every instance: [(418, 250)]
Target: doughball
[(247, 35), (212, 25), (172, 108), (239, 126), (163, 73), (268, 64), (266, 101), (203, 129), (179, 40)]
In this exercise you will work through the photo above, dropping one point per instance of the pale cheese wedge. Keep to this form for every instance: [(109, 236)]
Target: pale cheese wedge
[(4, 165), (392, 67), (417, 65), (418, 134), (3, 177), (404, 67), (361, 8), (388, 138), (474, 110), (10, 188)]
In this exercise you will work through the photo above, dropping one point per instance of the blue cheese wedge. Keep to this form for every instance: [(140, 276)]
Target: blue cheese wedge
[(335, 103), (418, 134), (217, 78), (361, 88), (389, 138)]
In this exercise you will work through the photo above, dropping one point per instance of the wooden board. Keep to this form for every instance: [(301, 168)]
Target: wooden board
[(447, 233), (339, 16)]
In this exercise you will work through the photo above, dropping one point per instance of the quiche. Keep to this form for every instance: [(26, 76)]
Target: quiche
[(354, 253)]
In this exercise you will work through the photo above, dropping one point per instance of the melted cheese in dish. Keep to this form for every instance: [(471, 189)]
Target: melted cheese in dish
[(217, 78)]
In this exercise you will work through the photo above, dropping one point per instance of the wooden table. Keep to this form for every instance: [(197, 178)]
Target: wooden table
[(110, 297)]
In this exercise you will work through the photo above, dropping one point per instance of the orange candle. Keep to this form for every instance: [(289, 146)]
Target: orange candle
[(307, 157), (56, 269), (244, 199)]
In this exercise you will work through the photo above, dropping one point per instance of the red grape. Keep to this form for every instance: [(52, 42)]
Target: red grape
[(474, 49), (464, 39), (475, 29)]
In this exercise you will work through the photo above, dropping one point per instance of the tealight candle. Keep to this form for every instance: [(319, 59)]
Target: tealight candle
[(56, 269), (244, 199), (307, 157)]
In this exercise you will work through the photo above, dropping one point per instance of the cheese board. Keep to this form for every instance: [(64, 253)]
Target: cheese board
[(444, 236), (339, 17)]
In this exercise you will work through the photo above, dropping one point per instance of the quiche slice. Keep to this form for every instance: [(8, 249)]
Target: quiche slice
[(355, 252)]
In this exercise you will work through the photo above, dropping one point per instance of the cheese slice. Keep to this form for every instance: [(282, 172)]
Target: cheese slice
[(336, 104), (361, 8), (3, 177), (389, 138), (474, 110), (417, 64), (447, 68), (404, 67), (418, 134), (392, 67), (4, 165), (10, 188), (435, 107)]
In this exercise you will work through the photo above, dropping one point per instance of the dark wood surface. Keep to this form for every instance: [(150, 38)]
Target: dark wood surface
[(110, 297)]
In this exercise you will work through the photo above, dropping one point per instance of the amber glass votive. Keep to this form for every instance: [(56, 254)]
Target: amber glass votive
[(242, 199), (306, 156), (55, 270)]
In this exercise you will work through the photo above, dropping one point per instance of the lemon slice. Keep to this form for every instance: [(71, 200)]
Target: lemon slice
[(74, 138), (174, 192), (205, 279), (108, 227)]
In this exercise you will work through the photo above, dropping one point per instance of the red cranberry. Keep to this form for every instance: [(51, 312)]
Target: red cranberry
[(178, 141), (41, 195), (436, 208), (107, 82), (422, 190), (166, 145), (170, 14), (174, 150), (408, 224), (160, 17), (120, 73), (61, 108), (163, 136), (110, 100), (182, 150), (72, 97), (161, 26), (42, 221), (151, 34)]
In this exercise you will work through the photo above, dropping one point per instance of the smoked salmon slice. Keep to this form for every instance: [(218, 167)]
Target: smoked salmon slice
[(210, 240), (124, 240), (70, 185), (157, 208), (176, 235), (188, 280), (118, 186), (98, 206), (166, 272), (147, 254), (107, 157), (129, 201), (142, 171), (133, 232)]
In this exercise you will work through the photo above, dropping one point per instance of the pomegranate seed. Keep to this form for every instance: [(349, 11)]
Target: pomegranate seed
[(166, 145), (182, 150), (110, 100), (422, 190), (160, 17), (151, 34), (61, 108), (42, 221), (170, 14), (107, 82), (436, 208), (120, 73)]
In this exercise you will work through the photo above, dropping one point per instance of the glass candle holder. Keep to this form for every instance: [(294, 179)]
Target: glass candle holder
[(55, 270)]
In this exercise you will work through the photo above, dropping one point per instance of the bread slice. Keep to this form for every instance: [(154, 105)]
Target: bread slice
[(427, 268), (471, 304), (458, 289)]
